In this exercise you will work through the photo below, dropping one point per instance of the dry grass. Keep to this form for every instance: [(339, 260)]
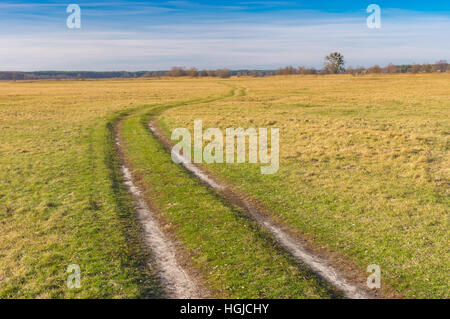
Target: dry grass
[(364, 171), (364, 167), (58, 205)]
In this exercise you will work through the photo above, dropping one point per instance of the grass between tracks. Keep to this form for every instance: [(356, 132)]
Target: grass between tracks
[(364, 167), (61, 198), (232, 255)]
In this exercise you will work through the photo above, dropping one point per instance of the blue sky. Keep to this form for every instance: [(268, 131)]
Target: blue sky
[(155, 35)]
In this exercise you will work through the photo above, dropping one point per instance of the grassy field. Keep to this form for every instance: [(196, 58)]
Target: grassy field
[(229, 252), (60, 200), (364, 167), (233, 257), (364, 172)]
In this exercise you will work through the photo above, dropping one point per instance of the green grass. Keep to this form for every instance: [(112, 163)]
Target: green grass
[(78, 214), (233, 256), (61, 197), (364, 172), (364, 167)]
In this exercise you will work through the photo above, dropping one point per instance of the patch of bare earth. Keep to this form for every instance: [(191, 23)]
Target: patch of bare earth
[(175, 278)]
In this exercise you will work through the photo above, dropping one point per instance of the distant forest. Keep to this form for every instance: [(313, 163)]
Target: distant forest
[(175, 71), (440, 66)]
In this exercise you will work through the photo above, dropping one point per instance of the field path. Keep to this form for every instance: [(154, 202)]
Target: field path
[(317, 263), (176, 278)]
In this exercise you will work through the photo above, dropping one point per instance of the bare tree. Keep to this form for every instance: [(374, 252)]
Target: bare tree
[(334, 63), (303, 70), (415, 68), (427, 68), (224, 73), (177, 71), (442, 66), (391, 68), (375, 69), (286, 71), (212, 73), (193, 72)]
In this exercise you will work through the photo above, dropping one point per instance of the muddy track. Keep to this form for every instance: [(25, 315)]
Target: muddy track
[(174, 276), (319, 264), (176, 279)]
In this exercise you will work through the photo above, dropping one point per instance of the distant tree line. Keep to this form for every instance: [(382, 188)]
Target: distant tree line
[(173, 72), (438, 67), (63, 75), (221, 73), (333, 64), (194, 72)]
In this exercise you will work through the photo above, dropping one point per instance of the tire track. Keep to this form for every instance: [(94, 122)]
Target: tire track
[(175, 278), (177, 282), (318, 264)]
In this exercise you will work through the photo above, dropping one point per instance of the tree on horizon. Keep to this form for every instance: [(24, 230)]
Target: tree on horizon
[(334, 63)]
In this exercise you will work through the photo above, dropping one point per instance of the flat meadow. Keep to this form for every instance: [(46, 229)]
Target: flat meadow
[(364, 167), (59, 204), (364, 174)]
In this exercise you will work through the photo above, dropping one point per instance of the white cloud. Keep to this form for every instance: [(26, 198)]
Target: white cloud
[(234, 45)]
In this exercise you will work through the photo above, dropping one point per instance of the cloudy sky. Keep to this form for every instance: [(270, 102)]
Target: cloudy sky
[(155, 35)]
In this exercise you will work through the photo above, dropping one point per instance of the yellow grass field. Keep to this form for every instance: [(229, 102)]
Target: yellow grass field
[(364, 174), (57, 202), (364, 167)]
